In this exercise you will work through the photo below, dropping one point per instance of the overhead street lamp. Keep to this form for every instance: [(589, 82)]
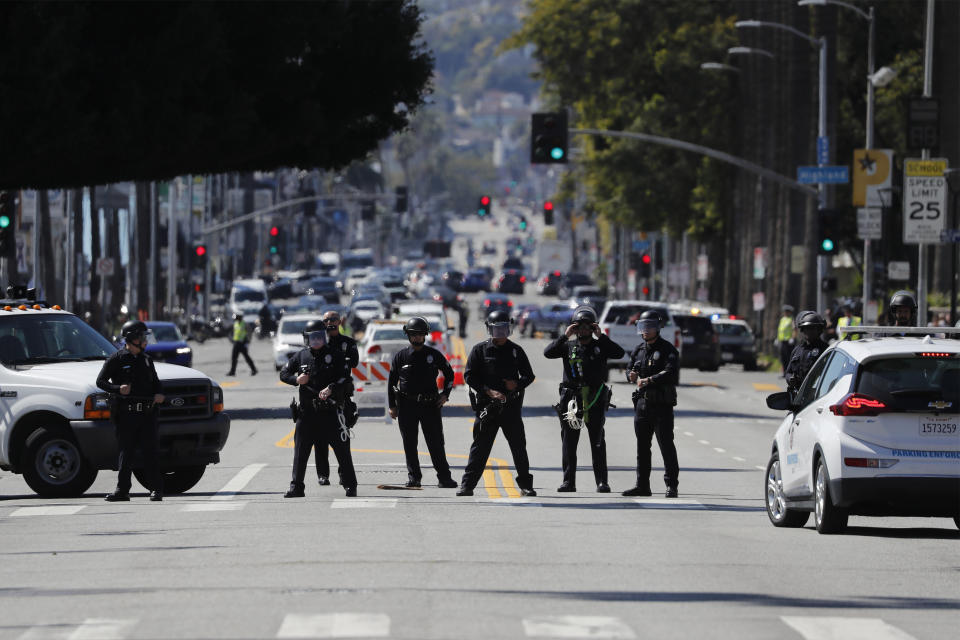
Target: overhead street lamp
[(749, 51), (718, 66), (874, 79), (821, 44)]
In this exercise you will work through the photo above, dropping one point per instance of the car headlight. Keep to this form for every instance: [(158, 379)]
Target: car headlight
[(97, 407), (183, 350), (217, 394)]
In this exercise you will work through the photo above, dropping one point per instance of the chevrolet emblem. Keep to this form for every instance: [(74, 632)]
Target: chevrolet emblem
[(939, 404)]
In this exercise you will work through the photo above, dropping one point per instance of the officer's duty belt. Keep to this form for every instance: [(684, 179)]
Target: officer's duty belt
[(420, 397), (136, 407)]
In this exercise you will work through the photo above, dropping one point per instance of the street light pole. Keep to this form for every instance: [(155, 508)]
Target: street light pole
[(821, 43)]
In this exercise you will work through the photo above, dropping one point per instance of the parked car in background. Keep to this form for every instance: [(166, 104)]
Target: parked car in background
[(367, 310), (288, 339), (475, 280), (324, 286), (872, 431), (588, 295), (280, 288), (452, 279), (514, 263), (701, 346), (165, 343), (381, 340), (552, 319), (549, 283), (619, 321), (511, 281), (737, 342), (520, 313), (494, 301), (571, 280)]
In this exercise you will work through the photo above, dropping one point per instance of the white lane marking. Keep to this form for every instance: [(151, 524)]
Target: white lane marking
[(335, 625), (103, 629), (719, 450), (815, 628), (576, 627), (761, 468), (238, 482), (739, 459), (214, 506), (668, 503), (687, 433), (58, 510), (704, 441), (363, 503)]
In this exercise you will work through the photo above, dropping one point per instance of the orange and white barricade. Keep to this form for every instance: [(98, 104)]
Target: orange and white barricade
[(373, 372)]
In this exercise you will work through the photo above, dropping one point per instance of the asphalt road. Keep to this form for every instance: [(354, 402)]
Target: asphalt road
[(233, 559)]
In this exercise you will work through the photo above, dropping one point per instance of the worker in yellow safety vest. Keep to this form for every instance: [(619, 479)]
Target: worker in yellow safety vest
[(785, 337), (848, 320)]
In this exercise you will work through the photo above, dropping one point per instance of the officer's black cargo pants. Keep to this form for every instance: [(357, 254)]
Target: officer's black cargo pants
[(484, 434), (411, 415), (314, 428), (656, 419)]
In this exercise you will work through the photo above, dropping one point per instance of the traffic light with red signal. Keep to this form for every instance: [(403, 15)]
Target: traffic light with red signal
[(274, 240), (199, 256), (483, 206), (547, 213)]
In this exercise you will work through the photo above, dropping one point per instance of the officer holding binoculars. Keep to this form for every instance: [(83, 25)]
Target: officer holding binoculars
[(323, 377)]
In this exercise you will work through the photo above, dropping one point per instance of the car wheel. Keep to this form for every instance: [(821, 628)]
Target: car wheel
[(750, 366), (827, 517), (777, 509), (54, 466), (176, 480)]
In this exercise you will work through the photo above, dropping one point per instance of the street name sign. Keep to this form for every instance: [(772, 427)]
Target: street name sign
[(834, 174), (924, 200)]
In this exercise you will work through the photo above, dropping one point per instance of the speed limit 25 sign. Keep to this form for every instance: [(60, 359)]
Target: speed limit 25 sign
[(924, 200)]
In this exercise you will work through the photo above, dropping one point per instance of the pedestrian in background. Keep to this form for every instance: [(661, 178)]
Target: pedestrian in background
[(785, 337), (131, 379), (240, 339), (655, 369), (848, 319)]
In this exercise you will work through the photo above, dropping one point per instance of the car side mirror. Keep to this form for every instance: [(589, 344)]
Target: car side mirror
[(780, 401)]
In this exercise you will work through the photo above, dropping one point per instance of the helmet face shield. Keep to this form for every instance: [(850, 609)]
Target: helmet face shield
[(500, 329), (647, 325), (315, 339)]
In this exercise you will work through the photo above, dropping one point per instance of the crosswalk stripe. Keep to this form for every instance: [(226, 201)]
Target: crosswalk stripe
[(57, 510), (238, 482), (576, 627), (363, 503), (668, 503), (826, 628), (335, 625), (214, 506), (89, 629)]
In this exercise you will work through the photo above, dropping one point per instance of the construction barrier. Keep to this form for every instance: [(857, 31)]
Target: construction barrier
[(376, 371)]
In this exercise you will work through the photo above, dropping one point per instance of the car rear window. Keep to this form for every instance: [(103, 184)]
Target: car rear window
[(731, 329), (918, 383), (630, 313), (695, 324), (389, 334)]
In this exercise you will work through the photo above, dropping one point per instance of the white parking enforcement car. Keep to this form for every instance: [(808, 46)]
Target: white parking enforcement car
[(872, 431), (289, 337)]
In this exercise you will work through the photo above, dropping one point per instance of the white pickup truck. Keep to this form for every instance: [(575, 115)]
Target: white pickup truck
[(619, 321), (54, 421)]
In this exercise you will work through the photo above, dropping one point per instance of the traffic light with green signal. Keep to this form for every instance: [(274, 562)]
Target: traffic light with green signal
[(7, 241), (523, 223), (827, 232), (483, 206), (548, 138)]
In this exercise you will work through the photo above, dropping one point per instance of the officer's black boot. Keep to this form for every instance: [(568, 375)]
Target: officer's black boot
[(117, 496), (295, 491), (156, 496), (671, 492), (324, 481), (567, 487), (464, 490), (637, 491)]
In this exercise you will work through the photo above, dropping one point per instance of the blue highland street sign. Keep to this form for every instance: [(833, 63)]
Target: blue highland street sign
[(826, 175)]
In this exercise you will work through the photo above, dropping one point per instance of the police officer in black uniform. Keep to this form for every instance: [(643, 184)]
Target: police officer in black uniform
[(810, 324), (903, 309), (131, 378), (655, 368), (321, 373), (497, 372), (414, 401), (348, 347), (584, 372)]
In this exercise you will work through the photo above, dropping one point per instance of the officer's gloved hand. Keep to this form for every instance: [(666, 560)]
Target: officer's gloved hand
[(442, 400)]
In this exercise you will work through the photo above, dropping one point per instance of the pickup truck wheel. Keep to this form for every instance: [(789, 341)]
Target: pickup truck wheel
[(177, 480), (54, 466)]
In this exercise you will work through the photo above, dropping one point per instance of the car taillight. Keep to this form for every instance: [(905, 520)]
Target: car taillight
[(509, 303), (486, 303), (857, 404), (607, 331), (97, 407), (436, 336), (523, 278), (870, 463), (374, 348)]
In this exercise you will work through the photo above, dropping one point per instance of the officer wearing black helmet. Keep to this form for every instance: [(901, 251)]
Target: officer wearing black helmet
[(903, 310), (131, 378), (348, 347), (584, 373), (414, 401), (322, 375), (497, 372), (810, 325), (654, 367)]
